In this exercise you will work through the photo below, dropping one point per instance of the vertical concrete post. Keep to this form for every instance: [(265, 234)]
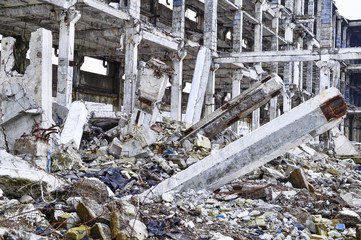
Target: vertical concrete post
[(236, 90), (344, 36), (257, 47), (132, 40), (210, 41), (178, 25), (274, 66), (68, 18), (237, 36), (309, 73), (339, 32)]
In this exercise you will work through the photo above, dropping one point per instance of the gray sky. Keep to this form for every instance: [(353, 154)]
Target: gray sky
[(350, 9)]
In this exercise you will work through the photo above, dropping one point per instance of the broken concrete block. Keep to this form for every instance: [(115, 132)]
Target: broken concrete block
[(298, 179), (133, 148), (17, 175), (203, 142), (29, 145), (66, 160), (94, 189), (115, 147), (349, 217), (291, 129), (343, 146), (137, 229), (237, 108), (152, 78), (101, 231), (78, 233), (90, 211), (75, 121), (59, 113)]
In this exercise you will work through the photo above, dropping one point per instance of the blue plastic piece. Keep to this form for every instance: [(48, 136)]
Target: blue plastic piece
[(49, 161), (340, 226)]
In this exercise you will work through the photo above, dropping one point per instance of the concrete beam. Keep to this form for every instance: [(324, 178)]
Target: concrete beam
[(60, 3), (291, 129), (290, 56), (162, 41), (237, 108), (25, 11), (105, 8)]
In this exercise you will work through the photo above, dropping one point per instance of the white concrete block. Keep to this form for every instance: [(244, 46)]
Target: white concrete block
[(73, 128)]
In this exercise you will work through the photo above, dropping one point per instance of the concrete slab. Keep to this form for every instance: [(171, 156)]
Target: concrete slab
[(75, 121), (343, 146), (291, 129)]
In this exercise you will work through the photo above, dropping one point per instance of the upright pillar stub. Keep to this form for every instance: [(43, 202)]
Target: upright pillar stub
[(210, 41), (132, 40), (178, 25), (68, 18)]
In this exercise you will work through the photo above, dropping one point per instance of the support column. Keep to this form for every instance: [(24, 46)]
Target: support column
[(132, 40), (236, 90), (237, 36), (274, 66), (344, 36), (309, 76), (257, 47), (68, 18), (178, 25), (210, 41), (287, 69), (339, 32)]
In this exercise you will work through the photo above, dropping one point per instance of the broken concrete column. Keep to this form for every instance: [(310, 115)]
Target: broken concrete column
[(199, 85), (68, 18), (25, 98), (73, 128), (291, 129), (152, 81), (237, 108)]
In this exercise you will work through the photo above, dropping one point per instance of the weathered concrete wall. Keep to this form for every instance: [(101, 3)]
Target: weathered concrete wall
[(28, 97)]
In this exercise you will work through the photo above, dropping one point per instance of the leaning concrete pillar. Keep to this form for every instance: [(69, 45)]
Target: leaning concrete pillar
[(178, 25), (339, 33), (344, 37), (68, 18), (199, 84), (273, 139), (237, 108), (210, 41)]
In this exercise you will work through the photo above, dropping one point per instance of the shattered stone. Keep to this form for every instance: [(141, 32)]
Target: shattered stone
[(67, 159), (78, 233), (298, 179), (115, 147), (100, 231)]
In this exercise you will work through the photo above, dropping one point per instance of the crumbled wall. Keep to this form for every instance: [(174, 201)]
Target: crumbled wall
[(24, 98)]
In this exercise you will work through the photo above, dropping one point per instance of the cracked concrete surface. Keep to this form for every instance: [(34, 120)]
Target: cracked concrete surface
[(20, 94)]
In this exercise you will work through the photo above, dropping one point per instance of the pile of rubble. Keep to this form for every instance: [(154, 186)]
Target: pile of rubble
[(90, 173)]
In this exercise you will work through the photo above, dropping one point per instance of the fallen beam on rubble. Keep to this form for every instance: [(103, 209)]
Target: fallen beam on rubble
[(237, 108), (291, 129)]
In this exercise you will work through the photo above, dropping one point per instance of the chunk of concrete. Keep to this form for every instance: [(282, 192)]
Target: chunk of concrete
[(291, 129), (73, 128), (343, 147), (237, 108), (16, 173), (115, 147)]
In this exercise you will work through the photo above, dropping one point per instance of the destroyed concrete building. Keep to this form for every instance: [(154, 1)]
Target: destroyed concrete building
[(197, 93)]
